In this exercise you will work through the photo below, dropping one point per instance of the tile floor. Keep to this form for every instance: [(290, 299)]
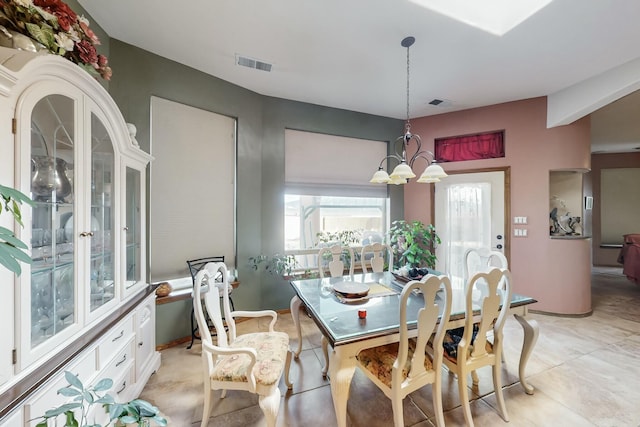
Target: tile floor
[(586, 372)]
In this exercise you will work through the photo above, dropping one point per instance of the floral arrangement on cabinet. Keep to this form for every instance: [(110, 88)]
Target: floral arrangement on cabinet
[(54, 26)]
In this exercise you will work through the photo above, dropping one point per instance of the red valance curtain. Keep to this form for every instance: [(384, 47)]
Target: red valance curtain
[(487, 145)]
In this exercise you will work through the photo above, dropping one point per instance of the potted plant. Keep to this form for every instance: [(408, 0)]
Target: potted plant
[(413, 244), (12, 249), (136, 412)]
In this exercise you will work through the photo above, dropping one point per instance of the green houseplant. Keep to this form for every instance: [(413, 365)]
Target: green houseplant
[(278, 265), (413, 244), (12, 249), (136, 412)]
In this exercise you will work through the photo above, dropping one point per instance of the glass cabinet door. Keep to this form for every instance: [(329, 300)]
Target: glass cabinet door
[(52, 293), (101, 265), (133, 228)]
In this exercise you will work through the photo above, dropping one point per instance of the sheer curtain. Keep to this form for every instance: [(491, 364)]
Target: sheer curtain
[(467, 225)]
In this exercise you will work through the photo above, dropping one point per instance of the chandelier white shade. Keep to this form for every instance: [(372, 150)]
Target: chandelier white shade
[(403, 172)]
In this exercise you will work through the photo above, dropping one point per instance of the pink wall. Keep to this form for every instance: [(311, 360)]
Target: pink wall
[(606, 256), (555, 272)]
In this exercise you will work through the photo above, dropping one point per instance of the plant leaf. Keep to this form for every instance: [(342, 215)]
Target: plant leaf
[(69, 391), (71, 419), (67, 407), (73, 380), (16, 195), (7, 260), (103, 384)]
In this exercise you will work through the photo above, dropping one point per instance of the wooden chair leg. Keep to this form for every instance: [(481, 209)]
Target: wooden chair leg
[(287, 368), (398, 416), (497, 387), (436, 391), (463, 391), (206, 411), (270, 405)]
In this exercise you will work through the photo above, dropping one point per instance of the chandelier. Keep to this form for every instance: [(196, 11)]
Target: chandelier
[(404, 170)]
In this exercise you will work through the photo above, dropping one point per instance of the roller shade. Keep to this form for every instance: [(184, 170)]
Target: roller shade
[(320, 164)]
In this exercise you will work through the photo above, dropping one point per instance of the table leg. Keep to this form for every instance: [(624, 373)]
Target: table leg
[(530, 328), (341, 369), (325, 351), (295, 306)]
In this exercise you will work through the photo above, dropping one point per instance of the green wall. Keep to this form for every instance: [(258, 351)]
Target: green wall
[(138, 75)]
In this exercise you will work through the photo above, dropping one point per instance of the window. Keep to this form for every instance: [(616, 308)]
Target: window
[(328, 190), (306, 216)]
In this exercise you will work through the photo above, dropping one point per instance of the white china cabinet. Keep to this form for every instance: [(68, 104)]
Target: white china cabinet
[(65, 143)]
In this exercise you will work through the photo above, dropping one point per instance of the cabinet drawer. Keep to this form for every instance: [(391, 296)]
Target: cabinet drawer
[(120, 391), (113, 342), (48, 398), (119, 364)]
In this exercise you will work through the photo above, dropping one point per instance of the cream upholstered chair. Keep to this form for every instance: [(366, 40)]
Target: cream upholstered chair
[(376, 262), (403, 367), (252, 361), (467, 349), (336, 264)]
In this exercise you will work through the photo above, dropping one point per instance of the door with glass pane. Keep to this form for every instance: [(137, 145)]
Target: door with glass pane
[(132, 230), (101, 262), (53, 304), (469, 213)]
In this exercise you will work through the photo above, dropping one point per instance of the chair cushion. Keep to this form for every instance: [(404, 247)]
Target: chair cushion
[(379, 360), (452, 338), (271, 348)]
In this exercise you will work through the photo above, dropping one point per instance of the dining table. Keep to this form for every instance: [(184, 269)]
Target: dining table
[(350, 325)]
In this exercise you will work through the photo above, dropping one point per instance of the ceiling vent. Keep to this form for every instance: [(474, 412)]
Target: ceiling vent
[(253, 63), (440, 103)]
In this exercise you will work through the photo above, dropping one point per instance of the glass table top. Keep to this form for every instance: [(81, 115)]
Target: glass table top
[(339, 320)]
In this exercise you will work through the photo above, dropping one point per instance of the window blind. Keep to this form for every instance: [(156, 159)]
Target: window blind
[(192, 188), (328, 165)]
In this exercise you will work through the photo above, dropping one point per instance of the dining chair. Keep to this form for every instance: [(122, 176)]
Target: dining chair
[(402, 367), (253, 361), (488, 293), (195, 265), (477, 259), (336, 266), (337, 255), (377, 261)]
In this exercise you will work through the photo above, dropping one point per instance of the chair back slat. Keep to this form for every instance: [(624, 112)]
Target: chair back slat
[(489, 291), (373, 255), (436, 295), (336, 264), (481, 259), (211, 286)]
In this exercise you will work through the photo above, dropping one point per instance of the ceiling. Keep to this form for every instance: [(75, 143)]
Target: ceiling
[(347, 54)]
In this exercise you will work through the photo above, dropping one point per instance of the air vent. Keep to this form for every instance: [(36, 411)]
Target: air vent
[(440, 103), (253, 63)]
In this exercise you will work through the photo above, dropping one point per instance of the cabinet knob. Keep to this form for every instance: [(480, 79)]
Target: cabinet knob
[(140, 344), (126, 228)]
